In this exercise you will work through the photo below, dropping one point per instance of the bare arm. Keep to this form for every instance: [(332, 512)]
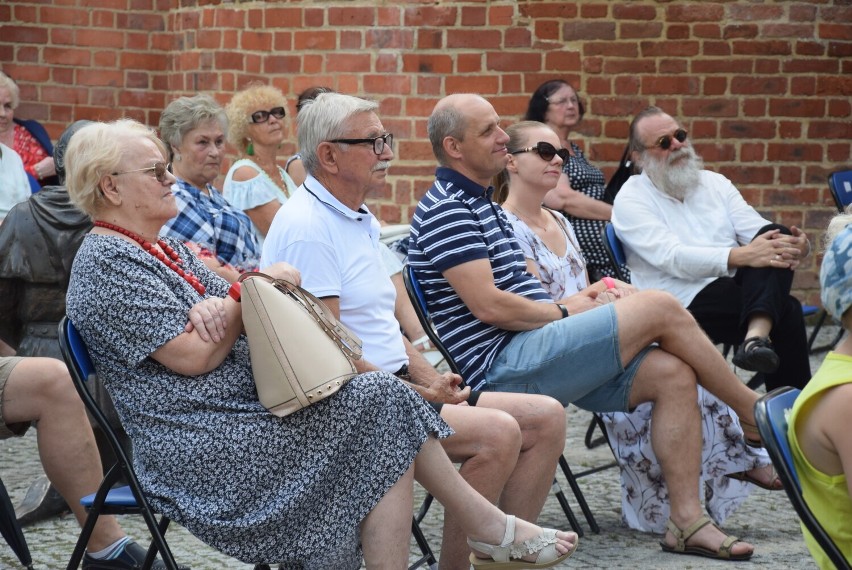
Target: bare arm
[(189, 354), (474, 283), (565, 199), (424, 379), (262, 215), (296, 170), (404, 311), (197, 350)]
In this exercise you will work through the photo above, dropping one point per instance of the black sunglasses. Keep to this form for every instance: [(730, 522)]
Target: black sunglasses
[(546, 151), (378, 142), (160, 169), (263, 116), (665, 141)]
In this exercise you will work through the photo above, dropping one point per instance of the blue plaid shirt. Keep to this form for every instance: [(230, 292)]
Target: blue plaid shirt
[(211, 222)]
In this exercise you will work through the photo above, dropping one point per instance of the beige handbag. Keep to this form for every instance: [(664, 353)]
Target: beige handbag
[(300, 353)]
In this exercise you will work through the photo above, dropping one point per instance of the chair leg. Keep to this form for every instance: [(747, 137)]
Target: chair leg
[(566, 508), (578, 494), (822, 315), (424, 508), (163, 526), (428, 557), (591, 441)]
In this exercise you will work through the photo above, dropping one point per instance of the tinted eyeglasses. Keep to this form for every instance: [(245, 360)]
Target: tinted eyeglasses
[(161, 169), (378, 142), (263, 116), (545, 150), (665, 141)]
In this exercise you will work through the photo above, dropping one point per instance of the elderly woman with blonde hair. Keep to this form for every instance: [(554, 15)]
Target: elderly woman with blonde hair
[(222, 235), (165, 335), (256, 183)]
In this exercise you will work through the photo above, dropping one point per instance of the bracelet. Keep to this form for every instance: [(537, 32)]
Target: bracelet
[(235, 292), (563, 310), (609, 282)]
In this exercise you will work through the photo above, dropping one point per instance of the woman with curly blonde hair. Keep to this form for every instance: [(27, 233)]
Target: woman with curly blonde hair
[(256, 183)]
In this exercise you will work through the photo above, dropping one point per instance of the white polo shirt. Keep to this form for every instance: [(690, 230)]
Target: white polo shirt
[(337, 251)]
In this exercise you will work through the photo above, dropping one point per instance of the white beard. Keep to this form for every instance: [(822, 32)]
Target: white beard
[(678, 180)]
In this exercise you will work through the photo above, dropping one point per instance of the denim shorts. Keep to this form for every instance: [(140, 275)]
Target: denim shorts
[(575, 360), (7, 364)]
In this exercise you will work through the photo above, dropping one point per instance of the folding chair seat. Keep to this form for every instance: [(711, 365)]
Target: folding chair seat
[(418, 300), (770, 413)]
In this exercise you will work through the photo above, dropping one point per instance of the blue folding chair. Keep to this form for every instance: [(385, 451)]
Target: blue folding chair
[(418, 300), (770, 415), (108, 501)]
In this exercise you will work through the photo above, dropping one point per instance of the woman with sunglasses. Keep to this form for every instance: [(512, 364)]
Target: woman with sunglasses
[(555, 257), (256, 183), (579, 192), (220, 234)]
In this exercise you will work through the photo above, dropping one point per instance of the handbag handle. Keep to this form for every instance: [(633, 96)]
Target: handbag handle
[(348, 341)]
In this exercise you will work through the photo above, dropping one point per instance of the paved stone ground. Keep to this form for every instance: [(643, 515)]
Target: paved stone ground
[(766, 519)]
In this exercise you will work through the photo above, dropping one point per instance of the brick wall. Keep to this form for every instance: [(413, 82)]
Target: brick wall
[(765, 88)]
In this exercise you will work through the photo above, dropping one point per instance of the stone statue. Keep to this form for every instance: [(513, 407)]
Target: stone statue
[(38, 241)]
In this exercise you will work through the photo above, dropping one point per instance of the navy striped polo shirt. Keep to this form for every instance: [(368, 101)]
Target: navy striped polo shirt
[(456, 222)]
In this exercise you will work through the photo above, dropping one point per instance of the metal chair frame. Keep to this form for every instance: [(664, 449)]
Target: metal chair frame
[(770, 415), (418, 300)]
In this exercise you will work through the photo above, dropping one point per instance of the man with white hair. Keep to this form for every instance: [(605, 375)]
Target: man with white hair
[(688, 231), (508, 445)]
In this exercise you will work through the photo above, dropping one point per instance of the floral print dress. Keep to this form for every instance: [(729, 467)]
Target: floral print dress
[(257, 487)]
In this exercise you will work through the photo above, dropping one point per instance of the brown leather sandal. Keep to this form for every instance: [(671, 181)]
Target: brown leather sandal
[(723, 553)]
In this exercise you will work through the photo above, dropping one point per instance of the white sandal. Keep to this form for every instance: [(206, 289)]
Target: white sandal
[(507, 556)]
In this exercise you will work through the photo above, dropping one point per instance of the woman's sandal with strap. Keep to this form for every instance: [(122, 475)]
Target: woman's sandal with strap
[(507, 556), (751, 434), (723, 553)]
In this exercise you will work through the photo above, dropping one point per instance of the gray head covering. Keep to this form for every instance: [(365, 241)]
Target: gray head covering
[(62, 146), (835, 275)]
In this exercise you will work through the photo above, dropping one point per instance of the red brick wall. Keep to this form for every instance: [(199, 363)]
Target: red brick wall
[(765, 88)]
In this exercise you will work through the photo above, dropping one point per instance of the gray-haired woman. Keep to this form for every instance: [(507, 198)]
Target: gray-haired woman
[(221, 235)]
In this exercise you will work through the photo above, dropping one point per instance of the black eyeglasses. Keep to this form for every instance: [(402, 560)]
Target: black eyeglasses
[(665, 141), (378, 142), (545, 150), (263, 116), (160, 170)]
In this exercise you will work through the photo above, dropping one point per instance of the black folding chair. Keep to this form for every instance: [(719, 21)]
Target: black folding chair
[(770, 415), (11, 530), (418, 300)]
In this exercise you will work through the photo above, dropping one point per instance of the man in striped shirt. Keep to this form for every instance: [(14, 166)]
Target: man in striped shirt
[(507, 335)]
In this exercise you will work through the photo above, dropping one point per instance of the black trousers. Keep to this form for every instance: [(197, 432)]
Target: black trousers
[(724, 307)]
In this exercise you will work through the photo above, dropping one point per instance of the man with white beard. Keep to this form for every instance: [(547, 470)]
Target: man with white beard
[(688, 231)]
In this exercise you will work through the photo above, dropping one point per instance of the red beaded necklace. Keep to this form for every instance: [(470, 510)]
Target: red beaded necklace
[(173, 261)]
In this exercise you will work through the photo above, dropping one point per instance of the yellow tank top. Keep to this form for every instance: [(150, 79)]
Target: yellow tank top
[(826, 495)]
